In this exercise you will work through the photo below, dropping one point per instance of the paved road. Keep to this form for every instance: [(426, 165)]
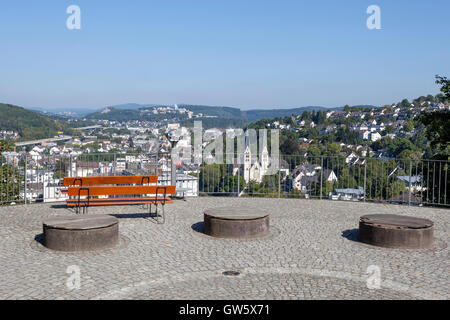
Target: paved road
[(32, 142), (311, 253)]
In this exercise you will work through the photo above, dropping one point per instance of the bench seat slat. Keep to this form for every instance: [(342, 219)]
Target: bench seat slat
[(105, 180), (118, 201), (120, 190)]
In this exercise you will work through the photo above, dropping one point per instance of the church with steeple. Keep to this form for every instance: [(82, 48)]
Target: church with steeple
[(255, 170)]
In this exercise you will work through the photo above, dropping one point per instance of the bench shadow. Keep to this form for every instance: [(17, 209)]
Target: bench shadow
[(59, 206), (199, 227), (351, 234), (134, 215)]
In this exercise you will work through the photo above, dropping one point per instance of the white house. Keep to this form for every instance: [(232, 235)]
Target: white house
[(375, 136)]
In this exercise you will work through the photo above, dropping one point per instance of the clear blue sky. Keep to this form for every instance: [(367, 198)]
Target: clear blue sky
[(246, 53)]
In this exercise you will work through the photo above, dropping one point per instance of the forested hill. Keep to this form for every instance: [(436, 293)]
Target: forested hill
[(223, 115), (255, 115), (30, 125)]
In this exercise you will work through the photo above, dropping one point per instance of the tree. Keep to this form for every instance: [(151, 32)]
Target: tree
[(409, 125), (232, 183), (405, 103), (5, 146), (437, 124), (61, 167), (408, 154), (289, 146), (10, 181), (333, 149), (306, 115), (210, 178), (445, 85), (389, 129)]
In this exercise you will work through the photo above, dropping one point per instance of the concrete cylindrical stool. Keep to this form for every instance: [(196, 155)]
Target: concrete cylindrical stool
[(81, 232), (230, 222), (394, 231)]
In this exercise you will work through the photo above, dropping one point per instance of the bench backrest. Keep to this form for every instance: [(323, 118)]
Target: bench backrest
[(92, 181), (120, 190)]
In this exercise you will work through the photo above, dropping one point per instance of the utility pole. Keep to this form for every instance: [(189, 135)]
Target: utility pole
[(173, 167)]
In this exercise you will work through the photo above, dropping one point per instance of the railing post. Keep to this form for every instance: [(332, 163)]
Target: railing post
[(239, 180), (279, 184), (115, 164), (365, 175), (410, 173), (321, 176), (70, 166), (25, 182)]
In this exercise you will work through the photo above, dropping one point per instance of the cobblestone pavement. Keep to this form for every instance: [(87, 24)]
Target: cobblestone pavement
[(311, 253)]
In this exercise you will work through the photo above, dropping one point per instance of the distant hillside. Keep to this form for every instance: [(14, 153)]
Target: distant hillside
[(114, 114), (223, 116), (63, 112), (132, 106), (255, 115), (249, 115), (217, 111), (144, 114), (29, 124)]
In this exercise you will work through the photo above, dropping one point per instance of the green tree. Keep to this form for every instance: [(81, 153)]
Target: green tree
[(10, 181), (409, 125), (445, 86), (437, 126), (232, 184), (5, 146), (289, 146), (405, 103), (211, 176), (389, 129)]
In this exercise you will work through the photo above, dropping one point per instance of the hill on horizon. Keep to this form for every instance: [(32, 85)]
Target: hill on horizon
[(120, 113), (29, 124)]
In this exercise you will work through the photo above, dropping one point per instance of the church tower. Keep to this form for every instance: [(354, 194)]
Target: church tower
[(264, 160), (247, 163)]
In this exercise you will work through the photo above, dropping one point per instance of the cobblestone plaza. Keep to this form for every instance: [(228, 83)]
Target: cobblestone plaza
[(312, 252)]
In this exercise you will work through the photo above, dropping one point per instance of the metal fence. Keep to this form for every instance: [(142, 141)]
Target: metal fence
[(26, 178), (401, 181)]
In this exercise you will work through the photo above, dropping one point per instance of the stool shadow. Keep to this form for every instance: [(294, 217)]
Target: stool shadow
[(39, 238), (351, 234), (199, 227)]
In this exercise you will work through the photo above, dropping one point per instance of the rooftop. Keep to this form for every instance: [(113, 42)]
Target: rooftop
[(311, 253)]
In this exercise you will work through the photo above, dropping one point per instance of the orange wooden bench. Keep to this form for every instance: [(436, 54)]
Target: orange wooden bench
[(83, 192)]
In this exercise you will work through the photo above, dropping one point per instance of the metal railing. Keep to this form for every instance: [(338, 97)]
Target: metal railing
[(401, 181), (26, 178)]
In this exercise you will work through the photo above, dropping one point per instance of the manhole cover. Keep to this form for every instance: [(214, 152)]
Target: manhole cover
[(231, 273)]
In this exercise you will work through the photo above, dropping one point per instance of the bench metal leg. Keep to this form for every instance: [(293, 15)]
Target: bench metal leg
[(156, 213)]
